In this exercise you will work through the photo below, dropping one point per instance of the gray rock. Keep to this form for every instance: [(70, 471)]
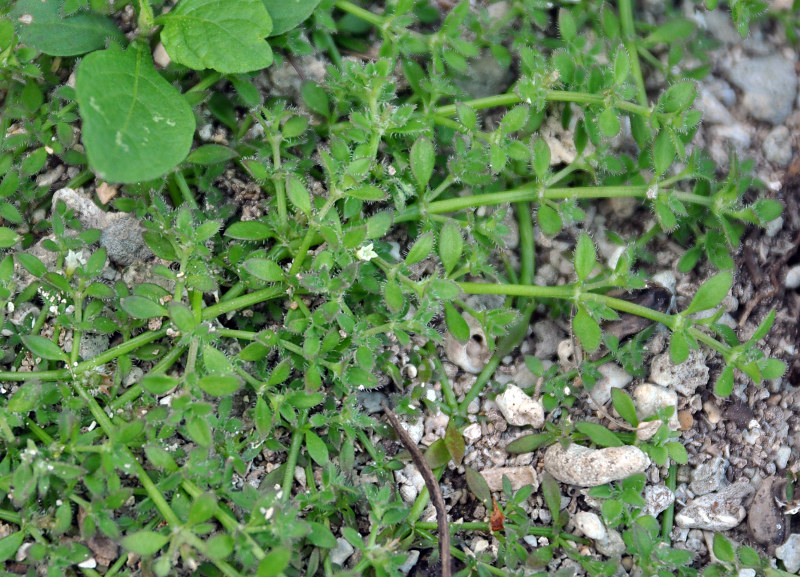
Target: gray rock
[(341, 552), (371, 401), (717, 511), (590, 525), (789, 553), (612, 545), (658, 498), (519, 409), (792, 280), (650, 399), (585, 467), (778, 146), (124, 243), (709, 476), (684, 378), (713, 110), (486, 77), (518, 476), (769, 85), (548, 335), (614, 377), (410, 562), (92, 345)]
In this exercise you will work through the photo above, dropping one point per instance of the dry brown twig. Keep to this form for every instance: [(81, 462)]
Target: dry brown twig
[(433, 488)]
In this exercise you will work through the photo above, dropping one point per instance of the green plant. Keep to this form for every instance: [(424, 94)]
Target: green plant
[(378, 203)]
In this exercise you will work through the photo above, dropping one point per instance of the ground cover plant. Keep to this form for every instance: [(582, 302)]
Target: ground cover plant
[(187, 363)]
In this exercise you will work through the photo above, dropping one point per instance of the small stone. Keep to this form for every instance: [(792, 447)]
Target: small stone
[(341, 552), (518, 476), (773, 227), (685, 419), (777, 146), (792, 280), (471, 355), (472, 433), (614, 377), (612, 545), (585, 467), (415, 430), (782, 456), (590, 524), (765, 520), (160, 56), (789, 553), (769, 85), (487, 76), (105, 192), (410, 562), (746, 572), (717, 511), (658, 498), (548, 335), (684, 378), (519, 409), (713, 110), (713, 412), (650, 399), (709, 477)]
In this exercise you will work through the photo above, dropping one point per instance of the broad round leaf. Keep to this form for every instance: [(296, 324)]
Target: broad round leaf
[(136, 125), (142, 307), (226, 35), (287, 15), (41, 25)]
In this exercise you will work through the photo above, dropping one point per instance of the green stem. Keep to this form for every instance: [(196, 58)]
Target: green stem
[(243, 302), (161, 366), (101, 359), (186, 192), (146, 19), (277, 182), (291, 459), (308, 239), (668, 517), (357, 11), (629, 40), (207, 82)]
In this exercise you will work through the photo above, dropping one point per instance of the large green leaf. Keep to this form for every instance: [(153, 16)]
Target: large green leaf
[(286, 14), (226, 35), (136, 126), (41, 25)]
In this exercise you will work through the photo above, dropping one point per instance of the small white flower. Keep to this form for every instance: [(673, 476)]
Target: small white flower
[(366, 253), (72, 261), (10, 307)]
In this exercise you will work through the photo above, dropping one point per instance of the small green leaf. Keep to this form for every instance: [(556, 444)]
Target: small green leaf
[(211, 154), (136, 125), (587, 330), (274, 562), (264, 269), (454, 441), (623, 404), (678, 348), (529, 443), (41, 25), (663, 152), (541, 163), (599, 435), (298, 195), (552, 494), (478, 485), (724, 385), (367, 192), (8, 237), (142, 307), (514, 120), (451, 246), (723, 550), (423, 159), (219, 385), (608, 123), (566, 25), (316, 448), (437, 454), (612, 512), (549, 220), (585, 257), (772, 369), (145, 542), (761, 331), (456, 324), (303, 400), (288, 15), (44, 348), (249, 230), (159, 384), (421, 249), (182, 316), (711, 293), (225, 35), (10, 544), (622, 65), (748, 556), (321, 536), (677, 452), (767, 209)]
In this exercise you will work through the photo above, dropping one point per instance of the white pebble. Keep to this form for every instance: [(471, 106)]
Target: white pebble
[(519, 409)]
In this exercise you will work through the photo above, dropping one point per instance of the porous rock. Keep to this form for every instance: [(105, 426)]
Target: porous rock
[(718, 511), (517, 476), (519, 409), (765, 520), (789, 553), (684, 378), (590, 525), (650, 399), (657, 499), (709, 476), (585, 467), (769, 86), (341, 552), (614, 377)]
